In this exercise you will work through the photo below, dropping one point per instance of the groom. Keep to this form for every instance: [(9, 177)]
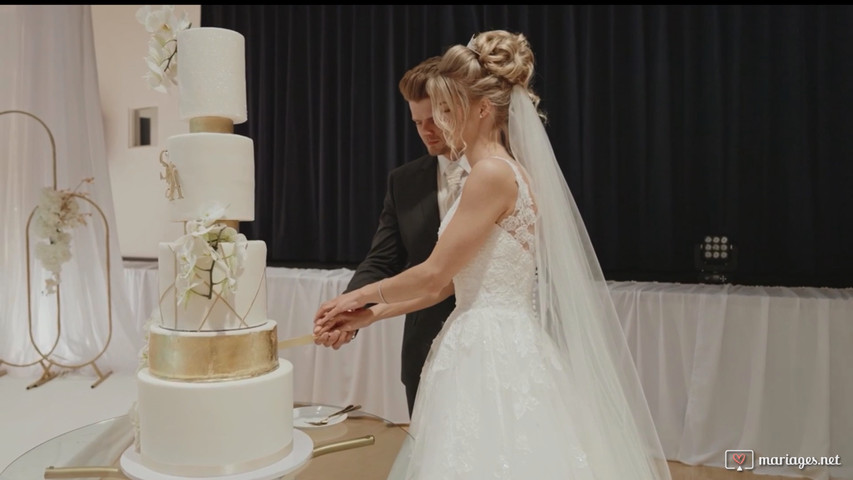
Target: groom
[(417, 198)]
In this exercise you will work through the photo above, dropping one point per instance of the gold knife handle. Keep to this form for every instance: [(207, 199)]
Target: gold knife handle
[(296, 341), (83, 472), (344, 445)]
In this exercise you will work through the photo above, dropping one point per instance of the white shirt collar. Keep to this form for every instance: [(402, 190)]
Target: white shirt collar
[(443, 161)]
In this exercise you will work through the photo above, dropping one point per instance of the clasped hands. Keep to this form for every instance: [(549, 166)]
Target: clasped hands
[(337, 321)]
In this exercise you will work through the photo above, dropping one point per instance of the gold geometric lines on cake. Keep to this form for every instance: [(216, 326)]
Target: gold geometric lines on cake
[(216, 299)]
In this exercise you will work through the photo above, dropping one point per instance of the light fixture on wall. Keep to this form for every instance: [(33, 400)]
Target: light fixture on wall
[(715, 259)]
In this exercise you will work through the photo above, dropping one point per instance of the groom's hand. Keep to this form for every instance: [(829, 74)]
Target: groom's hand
[(342, 328), (334, 338)]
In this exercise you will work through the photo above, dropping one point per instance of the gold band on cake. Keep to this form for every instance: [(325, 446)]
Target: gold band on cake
[(212, 356), (235, 224), (211, 125)]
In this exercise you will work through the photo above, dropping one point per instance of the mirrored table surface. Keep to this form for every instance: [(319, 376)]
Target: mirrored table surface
[(101, 444)]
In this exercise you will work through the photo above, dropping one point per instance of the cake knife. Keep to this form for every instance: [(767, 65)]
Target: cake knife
[(296, 341)]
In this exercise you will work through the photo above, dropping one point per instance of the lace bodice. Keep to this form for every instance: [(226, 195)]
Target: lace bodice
[(502, 273)]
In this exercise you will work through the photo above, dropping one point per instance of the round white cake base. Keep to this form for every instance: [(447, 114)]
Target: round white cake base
[(303, 446)]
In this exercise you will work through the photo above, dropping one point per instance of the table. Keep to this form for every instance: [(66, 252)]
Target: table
[(102, 443), (744, 367)]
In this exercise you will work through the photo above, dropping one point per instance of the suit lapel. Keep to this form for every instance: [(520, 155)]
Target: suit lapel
[(429, 206)]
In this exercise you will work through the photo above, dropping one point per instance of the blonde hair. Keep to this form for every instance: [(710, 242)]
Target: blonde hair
[(488, 67)]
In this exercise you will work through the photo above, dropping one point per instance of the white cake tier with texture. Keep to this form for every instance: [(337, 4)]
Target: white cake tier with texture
[(213, 168), (243, 308), (212, 74), (214, 428)]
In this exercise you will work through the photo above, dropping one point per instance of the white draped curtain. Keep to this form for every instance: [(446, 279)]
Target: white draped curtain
[(49, 71)]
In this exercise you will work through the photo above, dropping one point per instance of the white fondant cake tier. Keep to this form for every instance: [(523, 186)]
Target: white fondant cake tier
[(213, 167), (212, 74), (215, 428), (245, 307)]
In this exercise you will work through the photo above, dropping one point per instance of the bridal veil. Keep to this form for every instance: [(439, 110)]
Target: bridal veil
[(576, 310)]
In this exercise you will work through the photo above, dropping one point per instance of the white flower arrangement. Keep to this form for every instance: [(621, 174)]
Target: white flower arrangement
[(133, 416), (57, 213), (209, 254), (146, 329), (162, 60)]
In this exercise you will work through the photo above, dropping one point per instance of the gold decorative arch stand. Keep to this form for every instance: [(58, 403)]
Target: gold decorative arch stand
[(51, 366)]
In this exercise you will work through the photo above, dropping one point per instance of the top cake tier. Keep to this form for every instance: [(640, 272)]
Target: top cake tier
[(212, 74)]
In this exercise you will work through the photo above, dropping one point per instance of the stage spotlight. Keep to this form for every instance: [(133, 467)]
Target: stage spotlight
[(715, 259)]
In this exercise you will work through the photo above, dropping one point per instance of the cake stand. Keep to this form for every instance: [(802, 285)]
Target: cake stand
[(303, 446)]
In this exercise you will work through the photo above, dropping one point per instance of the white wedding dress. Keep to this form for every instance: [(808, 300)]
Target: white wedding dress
[(495, 401)]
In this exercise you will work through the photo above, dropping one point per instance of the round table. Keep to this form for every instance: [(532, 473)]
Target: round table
[(101, 445)]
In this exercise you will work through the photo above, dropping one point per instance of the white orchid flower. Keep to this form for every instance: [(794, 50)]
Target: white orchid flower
[(184, 288), (211, 213), (154, 20), (178, 23), (57, 213), (163, 25), (209, 253)]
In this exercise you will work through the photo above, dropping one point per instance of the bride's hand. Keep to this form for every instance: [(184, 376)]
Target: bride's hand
[(343, 303), (344, 322)]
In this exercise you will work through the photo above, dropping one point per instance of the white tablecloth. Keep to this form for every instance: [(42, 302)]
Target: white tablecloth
[(723, 367)]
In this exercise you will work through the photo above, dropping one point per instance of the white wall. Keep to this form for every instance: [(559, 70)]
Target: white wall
[(121, 44)]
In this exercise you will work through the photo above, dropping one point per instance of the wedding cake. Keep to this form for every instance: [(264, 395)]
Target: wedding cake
[(214, 398)]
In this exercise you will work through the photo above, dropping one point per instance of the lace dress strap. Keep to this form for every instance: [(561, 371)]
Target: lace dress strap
[(521, 223)]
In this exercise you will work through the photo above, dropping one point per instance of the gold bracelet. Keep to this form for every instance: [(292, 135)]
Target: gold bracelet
[(379, 288)]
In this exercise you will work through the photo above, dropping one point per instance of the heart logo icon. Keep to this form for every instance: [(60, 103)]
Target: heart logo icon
[(739, 458)]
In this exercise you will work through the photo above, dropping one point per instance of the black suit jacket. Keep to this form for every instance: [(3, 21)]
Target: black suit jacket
[(406, 235)]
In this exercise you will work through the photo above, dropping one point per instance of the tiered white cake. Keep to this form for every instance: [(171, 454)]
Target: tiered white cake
[(215, 398)]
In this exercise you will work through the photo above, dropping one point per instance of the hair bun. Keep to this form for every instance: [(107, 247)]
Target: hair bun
[(505, 55)]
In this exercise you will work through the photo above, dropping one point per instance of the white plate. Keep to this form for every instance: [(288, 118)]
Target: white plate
[(315, 413)]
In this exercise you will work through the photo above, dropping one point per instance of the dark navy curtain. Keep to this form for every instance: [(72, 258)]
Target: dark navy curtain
[(670, 123)]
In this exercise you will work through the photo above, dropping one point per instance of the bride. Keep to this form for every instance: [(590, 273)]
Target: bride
[(530, 377)]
